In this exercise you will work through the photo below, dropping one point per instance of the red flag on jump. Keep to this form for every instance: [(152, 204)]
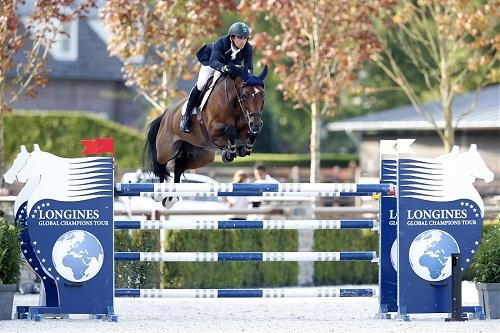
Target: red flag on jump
[(98, 146)]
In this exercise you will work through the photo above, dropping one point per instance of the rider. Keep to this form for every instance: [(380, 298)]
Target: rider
[(223, 55)]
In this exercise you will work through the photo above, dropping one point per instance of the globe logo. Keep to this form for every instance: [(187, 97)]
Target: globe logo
[(394, 255), (430, 254), (77, 255)]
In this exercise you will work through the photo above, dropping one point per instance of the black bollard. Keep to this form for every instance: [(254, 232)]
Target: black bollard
[(456, 289)]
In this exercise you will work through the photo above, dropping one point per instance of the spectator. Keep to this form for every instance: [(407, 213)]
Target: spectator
[(239, 177), (261, 175), (353, 172)]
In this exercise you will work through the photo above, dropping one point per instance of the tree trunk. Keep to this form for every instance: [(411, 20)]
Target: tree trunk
[(315, 143), (445, 91), (449, 131)]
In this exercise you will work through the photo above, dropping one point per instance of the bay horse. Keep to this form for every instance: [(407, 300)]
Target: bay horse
[(233, 111)]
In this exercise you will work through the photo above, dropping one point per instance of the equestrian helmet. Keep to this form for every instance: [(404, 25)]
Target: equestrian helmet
[(239, 29)]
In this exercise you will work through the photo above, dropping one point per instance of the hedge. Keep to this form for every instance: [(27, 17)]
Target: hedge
[(245, 274), (346, 272), (230, 274), (290, 160), (60, 133)]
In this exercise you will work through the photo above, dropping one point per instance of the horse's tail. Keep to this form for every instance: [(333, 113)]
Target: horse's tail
[(150, 161)]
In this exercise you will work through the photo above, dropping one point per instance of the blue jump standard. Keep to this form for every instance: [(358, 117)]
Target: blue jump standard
[(251, 224)]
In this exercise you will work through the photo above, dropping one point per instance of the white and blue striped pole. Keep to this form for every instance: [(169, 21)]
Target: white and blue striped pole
[(230, 189), (245, 256), (245, 224), (258, 293)]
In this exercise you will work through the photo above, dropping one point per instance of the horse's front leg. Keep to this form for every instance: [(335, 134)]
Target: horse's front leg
[(229, 153), (246, 149)]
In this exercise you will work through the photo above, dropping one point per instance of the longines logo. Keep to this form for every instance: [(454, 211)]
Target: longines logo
[(438, 217), (60, 214), (436, 214)]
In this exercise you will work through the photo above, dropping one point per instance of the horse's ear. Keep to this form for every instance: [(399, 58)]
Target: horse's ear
[(473, 147), (36, 147), (23, 149), (244, 73), (263, 74)]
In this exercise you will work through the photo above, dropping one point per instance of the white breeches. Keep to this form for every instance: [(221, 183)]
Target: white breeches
[(205, 73)]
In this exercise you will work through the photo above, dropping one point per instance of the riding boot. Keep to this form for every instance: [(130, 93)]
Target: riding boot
[(186, 118)]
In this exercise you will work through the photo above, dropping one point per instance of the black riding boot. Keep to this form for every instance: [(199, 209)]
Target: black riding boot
[(192, 100)]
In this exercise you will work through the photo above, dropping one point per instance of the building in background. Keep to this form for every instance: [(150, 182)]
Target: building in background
[(480, 126), (83, 77)]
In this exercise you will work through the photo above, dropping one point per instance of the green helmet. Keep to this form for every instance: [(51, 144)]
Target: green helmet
[(239, 29)]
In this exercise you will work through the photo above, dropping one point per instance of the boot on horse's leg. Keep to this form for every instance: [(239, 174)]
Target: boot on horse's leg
[(186, 117), (244, 150), (229, 153)]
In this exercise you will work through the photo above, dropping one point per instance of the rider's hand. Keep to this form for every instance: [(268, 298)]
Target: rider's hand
[(231, 70)]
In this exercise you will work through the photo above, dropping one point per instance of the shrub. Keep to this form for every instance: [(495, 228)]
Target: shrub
[(486, 263), (10, 253)]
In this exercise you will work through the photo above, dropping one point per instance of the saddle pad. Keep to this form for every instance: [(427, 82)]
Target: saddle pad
[(208, 92)]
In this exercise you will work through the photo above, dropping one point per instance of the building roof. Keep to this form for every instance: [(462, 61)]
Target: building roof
[(486, 115)]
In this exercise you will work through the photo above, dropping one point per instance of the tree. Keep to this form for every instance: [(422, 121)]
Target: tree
[(156, 39), (24, 47), (452, 45), (319, 46)]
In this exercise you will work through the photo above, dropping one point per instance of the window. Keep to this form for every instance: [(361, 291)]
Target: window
[(66, 46)]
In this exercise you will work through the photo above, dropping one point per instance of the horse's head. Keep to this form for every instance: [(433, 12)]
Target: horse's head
[(477, 167), (32, 166), (17, 165), (251, 97)]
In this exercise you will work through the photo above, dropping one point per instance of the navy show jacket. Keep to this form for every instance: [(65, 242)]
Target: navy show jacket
[(218, 54)]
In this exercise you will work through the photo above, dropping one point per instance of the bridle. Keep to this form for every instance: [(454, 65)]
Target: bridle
[(241, 96)]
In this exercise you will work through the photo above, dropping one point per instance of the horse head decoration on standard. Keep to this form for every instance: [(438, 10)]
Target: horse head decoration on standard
[(232, 112)]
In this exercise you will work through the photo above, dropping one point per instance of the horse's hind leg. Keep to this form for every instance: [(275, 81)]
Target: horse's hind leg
[(180, 164)]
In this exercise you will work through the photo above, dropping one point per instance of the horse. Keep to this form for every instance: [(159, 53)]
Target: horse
[(233, 111)]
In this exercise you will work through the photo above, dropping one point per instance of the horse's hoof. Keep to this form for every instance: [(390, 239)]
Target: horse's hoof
[(227, 157), (241, 151), (168, 202)]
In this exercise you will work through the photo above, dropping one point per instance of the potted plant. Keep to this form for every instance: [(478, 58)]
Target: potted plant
[(10, 261), (486, 270)]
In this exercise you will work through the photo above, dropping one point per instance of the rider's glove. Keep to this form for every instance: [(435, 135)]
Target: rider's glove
[(231, 70)]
